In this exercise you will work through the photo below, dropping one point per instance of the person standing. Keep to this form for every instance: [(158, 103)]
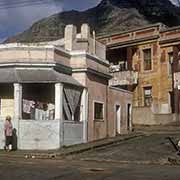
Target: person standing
[(8, 132)]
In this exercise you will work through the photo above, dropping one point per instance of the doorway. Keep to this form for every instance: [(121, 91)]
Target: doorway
[(129, 110), (118, 119)]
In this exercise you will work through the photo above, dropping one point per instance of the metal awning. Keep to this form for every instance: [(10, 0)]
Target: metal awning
[(13, 75)]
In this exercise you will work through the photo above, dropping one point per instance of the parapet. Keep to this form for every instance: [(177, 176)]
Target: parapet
[(83, 41)]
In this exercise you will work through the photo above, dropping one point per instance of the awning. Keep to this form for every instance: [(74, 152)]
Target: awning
[(13, 75)]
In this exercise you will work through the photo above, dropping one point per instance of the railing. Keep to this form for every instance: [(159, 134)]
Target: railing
[(123, 78), (120, 67)]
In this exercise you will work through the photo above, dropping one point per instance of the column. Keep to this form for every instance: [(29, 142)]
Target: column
[(84, 103), (59, 110), (17, 109), (17, 101)]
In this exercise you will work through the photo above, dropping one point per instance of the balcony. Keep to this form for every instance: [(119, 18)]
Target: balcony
[(121, 76)]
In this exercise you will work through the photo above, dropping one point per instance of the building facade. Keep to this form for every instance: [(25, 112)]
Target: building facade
[(58, 93), (144, 61)]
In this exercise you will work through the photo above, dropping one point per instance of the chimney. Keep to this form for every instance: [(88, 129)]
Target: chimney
[(85, 31), (70, 37)]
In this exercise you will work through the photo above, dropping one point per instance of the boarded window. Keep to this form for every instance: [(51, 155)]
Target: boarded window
[(147, 96), (98, 111), (147, 59)]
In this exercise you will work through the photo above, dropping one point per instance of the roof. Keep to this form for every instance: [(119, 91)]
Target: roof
[(31, 75)]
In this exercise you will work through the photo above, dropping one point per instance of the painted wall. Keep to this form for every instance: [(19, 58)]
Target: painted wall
[(121, 98), (97, 89), (157, 78), (37, 135), (73, 133), (2, 138), (144, 116)]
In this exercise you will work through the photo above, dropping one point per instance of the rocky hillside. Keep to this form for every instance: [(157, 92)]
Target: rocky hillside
[(108, 17)]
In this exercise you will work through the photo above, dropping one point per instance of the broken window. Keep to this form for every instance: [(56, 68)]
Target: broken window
[(147, 59), (147, 96), (98, 111)]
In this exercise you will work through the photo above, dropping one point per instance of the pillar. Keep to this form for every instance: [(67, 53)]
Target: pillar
[(84, 103), (17, 109), (59, 110), (17, 101)]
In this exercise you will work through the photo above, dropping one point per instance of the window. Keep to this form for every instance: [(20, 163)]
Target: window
[(170, 61), (147, 96), (147, 59), (98, 111)]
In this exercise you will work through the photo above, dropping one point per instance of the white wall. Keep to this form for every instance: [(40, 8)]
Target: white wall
[(73, 133), (2, 138), (38, 135), (44, 135)]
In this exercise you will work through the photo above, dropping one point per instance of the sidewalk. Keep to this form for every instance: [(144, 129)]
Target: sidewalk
[(69, 150)]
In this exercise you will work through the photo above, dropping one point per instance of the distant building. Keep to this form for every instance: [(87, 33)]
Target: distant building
[(145, 61), (58, 92)]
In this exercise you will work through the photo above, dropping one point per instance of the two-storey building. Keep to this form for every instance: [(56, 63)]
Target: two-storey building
[(144, 61), (58, 93)]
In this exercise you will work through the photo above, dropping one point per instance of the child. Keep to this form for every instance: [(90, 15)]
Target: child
[(8, 132)]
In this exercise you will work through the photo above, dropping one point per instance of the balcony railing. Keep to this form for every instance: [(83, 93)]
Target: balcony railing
[(122, 77), (120, 67)]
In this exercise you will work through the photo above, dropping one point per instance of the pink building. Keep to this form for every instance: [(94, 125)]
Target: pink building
[(58, 92)]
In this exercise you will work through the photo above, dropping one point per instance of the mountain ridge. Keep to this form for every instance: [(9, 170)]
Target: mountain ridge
[(109, 16)]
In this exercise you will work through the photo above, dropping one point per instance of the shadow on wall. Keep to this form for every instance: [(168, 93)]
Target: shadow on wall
[(14, 140)]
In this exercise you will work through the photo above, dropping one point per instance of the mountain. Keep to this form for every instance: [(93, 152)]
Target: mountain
[(109, 16)]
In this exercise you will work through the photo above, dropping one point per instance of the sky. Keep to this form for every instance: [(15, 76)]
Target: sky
[(18, 15), (14, 19)]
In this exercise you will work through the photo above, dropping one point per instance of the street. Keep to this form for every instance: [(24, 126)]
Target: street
[(142, 158)]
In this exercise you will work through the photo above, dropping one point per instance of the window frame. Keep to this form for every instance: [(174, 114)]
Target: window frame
[(145, 61), (147, 97), (170, 70), (99, 102)]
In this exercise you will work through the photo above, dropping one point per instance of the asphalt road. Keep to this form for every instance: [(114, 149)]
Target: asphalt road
[(110, 163)]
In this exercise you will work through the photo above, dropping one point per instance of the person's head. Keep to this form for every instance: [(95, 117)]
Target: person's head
[(8, 118)]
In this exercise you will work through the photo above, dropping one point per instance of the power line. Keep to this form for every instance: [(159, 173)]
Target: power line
[(23, 3)]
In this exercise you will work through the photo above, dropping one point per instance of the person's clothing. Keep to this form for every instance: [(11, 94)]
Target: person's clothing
[(8, 140), (8, 128)]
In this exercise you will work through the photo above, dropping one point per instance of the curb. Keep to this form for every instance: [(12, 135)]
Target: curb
[(72, 150)]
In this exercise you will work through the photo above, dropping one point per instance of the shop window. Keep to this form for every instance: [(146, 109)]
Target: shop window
[(98, 111), (147, 96), (147, 59)]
